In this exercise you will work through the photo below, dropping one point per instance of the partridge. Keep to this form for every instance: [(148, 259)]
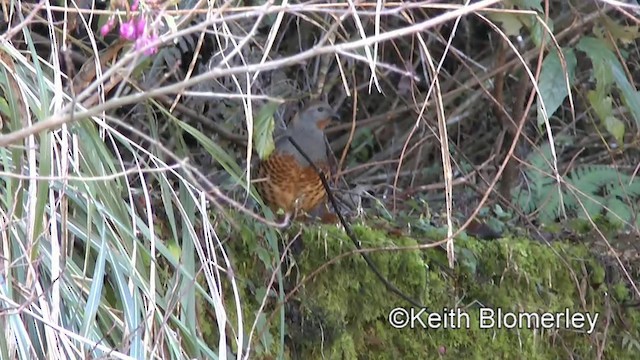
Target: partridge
[(288, 181)]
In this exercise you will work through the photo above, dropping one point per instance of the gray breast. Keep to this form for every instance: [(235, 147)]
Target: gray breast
[(311, 142)]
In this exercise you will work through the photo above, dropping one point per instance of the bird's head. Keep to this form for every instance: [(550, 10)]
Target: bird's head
[(316, 115)]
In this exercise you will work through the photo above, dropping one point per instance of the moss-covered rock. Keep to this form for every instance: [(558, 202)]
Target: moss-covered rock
[(341, 310)]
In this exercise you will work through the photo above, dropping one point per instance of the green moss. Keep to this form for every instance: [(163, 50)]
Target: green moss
[(620, 292), (341, 310)]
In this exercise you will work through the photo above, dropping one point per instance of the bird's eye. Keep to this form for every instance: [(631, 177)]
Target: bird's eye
[(322, 109)]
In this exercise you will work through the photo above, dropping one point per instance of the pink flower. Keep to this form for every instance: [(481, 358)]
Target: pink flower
[(143, 42), (127, 30), (134, 6), (107, 27), (140, 24)]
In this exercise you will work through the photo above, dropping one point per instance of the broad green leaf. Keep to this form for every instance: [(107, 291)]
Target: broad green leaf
[(603, 77), (630, 95), (615, 127), (263, 126), (601, 57), (596, 49), (539, 32), (511, 23), (602, 106), (553, 82)]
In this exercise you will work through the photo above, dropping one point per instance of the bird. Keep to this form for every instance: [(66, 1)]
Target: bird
[(288, 181)]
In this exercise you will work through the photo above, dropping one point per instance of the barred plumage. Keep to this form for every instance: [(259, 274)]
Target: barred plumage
[(287, 181), (287, 185)]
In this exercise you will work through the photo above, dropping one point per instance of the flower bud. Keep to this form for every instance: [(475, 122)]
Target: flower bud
[(107, 27), (127, 30)]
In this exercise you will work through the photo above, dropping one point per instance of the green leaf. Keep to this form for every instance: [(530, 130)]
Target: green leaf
[(526, 4), (602, 106), (511, 23), (630, 96), (615, 127), (266, 340), (260, 293), (625, 34), (216, 151), (606, 69), (4, 107), (540, 32), (263, 126), (619, 212), (174, 250), (95, 293), (264, 255), (600, 57), (553, 81)]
